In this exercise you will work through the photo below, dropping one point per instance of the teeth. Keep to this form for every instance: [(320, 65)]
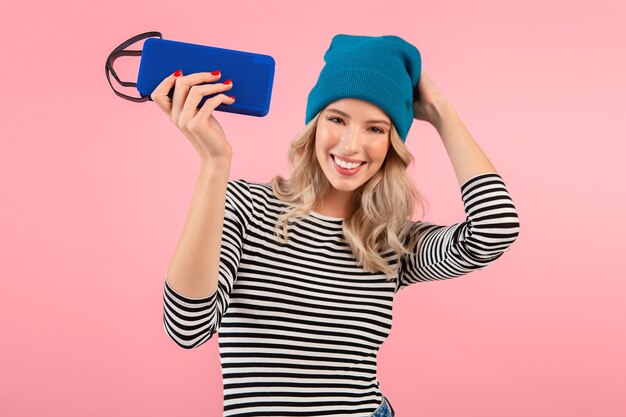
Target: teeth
[(347, 165)]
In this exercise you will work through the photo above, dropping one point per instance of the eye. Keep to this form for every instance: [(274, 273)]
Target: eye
[(333, 118)]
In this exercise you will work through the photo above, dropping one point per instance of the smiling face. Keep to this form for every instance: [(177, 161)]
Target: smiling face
[(355, 130)]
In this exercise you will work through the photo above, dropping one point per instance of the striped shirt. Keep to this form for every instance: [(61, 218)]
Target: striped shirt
[(300, 324)]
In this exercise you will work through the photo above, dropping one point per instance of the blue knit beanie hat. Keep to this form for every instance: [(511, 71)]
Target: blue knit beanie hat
[(383, 70)]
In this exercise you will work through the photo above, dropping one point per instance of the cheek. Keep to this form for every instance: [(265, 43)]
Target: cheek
[(324, 139), (377, 152), (382, 150), (321, 148)]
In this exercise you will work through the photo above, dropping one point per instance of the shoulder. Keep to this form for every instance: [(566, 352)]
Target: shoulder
[(417, 230), (253, 187), (249, 185), (260, 194)]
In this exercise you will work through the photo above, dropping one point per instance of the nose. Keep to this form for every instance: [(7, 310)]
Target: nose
[(351, 140)]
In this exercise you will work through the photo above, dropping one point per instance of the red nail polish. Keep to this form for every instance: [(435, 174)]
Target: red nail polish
[(227, 82), (178, 73), (233, 97), (216, 72)]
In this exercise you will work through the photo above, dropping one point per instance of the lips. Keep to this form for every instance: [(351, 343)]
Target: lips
[(346, 171), (347, 159)]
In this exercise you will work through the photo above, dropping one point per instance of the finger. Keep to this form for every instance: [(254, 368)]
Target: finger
[(183, 84), (207, 108), (198, 92), (160, 94)]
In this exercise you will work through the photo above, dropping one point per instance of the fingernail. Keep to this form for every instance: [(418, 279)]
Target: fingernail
[(227, 82), (216, 72), (233, 97), (178, 73)]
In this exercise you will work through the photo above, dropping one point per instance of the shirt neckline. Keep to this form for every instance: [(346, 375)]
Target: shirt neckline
[(324, 217)]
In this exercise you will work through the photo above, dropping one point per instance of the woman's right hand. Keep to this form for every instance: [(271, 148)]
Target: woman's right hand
[(198, 125)]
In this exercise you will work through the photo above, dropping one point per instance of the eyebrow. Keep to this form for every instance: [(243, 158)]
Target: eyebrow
[(348, 116)]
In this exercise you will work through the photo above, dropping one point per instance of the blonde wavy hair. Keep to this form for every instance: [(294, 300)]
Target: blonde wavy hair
[(382, 207)]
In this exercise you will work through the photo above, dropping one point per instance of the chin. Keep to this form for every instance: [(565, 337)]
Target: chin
[(346, 186)]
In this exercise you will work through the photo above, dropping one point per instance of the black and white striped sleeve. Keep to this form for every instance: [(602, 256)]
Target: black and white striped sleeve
[(192, 321), (490, 228)]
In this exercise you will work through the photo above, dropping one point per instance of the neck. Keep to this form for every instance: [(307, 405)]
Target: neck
[(336, 203)]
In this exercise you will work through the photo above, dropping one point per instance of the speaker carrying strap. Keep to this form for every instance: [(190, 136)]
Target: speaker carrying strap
[(120, 51)]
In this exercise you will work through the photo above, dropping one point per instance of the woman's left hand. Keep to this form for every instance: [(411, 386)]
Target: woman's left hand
[(426, 105)]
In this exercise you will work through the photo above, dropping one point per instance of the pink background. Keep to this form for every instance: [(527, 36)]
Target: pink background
[(95, 191)]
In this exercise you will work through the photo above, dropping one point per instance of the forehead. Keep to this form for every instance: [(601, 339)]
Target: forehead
[(358, 108)]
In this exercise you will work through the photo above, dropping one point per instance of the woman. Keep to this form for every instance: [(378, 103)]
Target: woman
[(298, 276)]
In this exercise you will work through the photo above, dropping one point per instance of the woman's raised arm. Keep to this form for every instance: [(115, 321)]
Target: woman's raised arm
[(467, 158)]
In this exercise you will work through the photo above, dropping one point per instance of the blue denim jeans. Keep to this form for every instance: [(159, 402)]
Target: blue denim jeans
[(385, 409)]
